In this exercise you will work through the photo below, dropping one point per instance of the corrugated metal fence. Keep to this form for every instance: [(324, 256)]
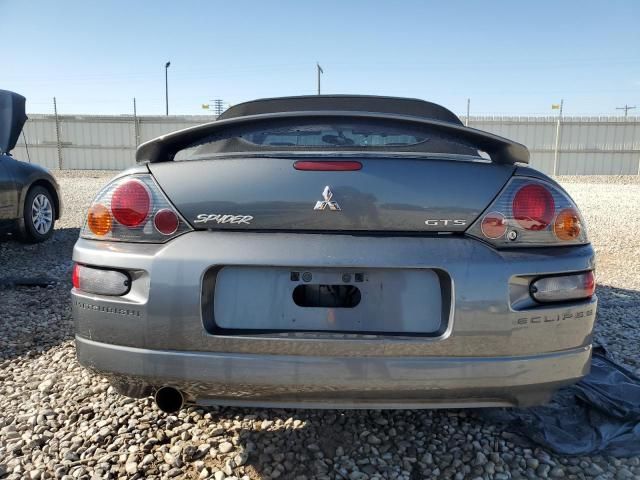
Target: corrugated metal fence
[(90, 142), (588, 145)]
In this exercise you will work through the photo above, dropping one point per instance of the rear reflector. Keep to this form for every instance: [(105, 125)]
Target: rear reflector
[(327, 166), (566, 287), (75, 279), (100, 281)]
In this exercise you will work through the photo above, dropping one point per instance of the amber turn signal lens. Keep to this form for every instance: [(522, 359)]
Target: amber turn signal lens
[(567, 225), (99, 219)]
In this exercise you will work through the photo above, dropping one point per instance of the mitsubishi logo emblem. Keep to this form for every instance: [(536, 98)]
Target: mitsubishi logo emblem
[(327, 194)]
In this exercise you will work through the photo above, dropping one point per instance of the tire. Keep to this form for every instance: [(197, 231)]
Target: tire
[(39, 217)]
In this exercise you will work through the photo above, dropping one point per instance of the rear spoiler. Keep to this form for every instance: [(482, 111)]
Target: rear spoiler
[(164, 148)]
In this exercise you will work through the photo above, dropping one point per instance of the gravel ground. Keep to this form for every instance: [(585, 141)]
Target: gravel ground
[(58, 421)]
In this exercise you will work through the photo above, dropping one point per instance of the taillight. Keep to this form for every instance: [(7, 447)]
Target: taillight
[(130, 203), (494, 225), (99, 219), (133, 209), (567, 225), (533, 207), (530, 212), (327, 165), (166, 221)]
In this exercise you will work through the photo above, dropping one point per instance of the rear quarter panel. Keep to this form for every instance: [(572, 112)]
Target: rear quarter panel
[(8, 190), (27, 174)]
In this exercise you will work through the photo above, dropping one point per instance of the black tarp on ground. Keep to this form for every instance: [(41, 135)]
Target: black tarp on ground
[(599, 414)]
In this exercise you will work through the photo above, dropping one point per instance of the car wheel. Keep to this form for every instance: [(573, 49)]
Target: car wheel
[(39, 216)]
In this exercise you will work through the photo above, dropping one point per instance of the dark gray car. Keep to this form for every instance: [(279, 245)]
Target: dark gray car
[(335, 251), (29, 195)]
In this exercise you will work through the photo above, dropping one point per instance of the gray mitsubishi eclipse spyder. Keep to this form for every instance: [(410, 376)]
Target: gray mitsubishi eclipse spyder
[(334, 251)]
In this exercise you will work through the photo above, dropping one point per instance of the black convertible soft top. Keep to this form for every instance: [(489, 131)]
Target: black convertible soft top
[(306, 108), (343, 103)]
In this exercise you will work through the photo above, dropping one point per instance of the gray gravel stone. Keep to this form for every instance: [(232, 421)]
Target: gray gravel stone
[(225, 447)]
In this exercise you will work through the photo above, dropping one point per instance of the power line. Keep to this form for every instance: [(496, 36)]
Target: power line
[(626, 109), (218, 106)]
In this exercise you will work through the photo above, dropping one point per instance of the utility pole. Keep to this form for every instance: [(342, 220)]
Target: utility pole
[(626, 109), (55, 113), (136, 127), (166, 87), (468, 108), (555, 154), (320, 71)]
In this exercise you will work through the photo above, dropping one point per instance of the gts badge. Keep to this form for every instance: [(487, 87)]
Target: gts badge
[(445, 223), (222, 218)]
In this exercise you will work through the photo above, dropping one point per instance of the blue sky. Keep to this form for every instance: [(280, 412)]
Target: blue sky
[(509, 57)]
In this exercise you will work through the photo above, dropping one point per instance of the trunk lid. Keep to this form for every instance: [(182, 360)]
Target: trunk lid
[(385, 195), (12, 119)]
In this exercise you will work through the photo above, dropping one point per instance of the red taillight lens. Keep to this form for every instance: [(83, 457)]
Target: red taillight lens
[(166, 221), (590, 283), (533, 207), (130, 203), (323, 166), (75, 278)]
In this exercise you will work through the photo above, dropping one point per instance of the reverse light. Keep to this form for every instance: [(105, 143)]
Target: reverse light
[(100, 281), (563, 288), (132, 208)]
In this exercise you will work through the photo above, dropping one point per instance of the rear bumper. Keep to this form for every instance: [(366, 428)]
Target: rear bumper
[(498, 348), (337, 382)]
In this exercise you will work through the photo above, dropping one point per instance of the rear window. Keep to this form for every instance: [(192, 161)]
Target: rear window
[(334, 135), (330, 134)]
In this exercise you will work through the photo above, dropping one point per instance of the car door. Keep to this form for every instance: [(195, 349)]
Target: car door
[(8, 190)]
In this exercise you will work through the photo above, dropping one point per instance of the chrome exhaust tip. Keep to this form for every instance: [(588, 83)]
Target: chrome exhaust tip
[(169, 399)]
